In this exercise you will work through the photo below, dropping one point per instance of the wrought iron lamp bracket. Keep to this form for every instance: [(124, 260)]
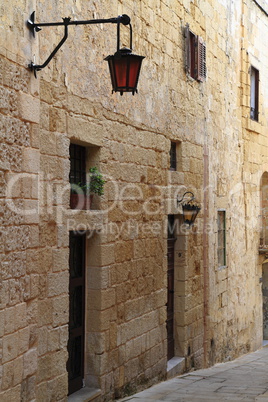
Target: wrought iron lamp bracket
[(187, 192), (36, 27), (189, 209)]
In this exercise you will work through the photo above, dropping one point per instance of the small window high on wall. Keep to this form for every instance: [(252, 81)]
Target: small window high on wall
[(254, 93), (221, 238), (173, 155)]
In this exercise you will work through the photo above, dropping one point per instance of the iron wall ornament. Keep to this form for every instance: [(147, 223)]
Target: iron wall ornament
[(189, 209), (124, 65)]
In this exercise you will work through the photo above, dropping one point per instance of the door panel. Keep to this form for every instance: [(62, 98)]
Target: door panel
[(170, 302), (265, 300), (75, 365), (170, 289)]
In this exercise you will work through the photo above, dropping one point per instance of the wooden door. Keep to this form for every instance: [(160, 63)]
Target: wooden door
[(75, 365), (265, 300), (170, 288)]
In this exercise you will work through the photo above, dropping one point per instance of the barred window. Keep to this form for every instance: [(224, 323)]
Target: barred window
[(78, 164)]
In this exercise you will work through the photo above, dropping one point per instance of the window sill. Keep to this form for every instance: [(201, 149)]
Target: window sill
[(89, 220), (255, 126), (263, 250)]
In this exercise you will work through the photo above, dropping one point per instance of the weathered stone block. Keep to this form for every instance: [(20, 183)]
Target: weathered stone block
[(13, 394), (29, 107), (58, 388), (18, 371), (123, 251), (57, 120), (60, 310), (86, 131), (58, 283), (45, 310), (10, 347), (30, 362), (41, 390), (8, 375), (31, 160), (24, 340), (53, 340)]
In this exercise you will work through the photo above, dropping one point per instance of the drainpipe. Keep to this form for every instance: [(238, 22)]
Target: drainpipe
[(205, 252)]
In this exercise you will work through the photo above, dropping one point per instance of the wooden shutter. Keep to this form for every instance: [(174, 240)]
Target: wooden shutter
[(201, 60), (187, 49)]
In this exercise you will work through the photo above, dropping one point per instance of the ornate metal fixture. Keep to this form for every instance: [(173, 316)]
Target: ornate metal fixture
[(189, 209), (124, 65)]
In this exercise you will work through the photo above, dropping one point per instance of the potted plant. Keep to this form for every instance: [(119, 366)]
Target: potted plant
[(96, 182), (82, 193)]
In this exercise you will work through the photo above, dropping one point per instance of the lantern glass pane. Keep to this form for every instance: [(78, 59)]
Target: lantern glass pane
[(134, 71), (111, 67), (121, 71), (187, 215)]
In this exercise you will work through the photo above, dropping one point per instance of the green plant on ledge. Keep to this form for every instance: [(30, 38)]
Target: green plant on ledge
[(82, 193), (95, 185), (96, 182)]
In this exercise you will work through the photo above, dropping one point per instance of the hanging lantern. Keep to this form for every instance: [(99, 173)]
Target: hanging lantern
[(190, 213), (125, 70), (124, 65), (189, 209)]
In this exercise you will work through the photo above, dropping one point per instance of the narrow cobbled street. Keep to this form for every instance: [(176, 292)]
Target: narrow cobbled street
[(244, 379)]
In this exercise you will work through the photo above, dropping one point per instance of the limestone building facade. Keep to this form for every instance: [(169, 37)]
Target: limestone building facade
[(102, 302)]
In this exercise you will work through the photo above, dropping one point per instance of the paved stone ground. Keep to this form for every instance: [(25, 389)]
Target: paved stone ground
[(244, 379)]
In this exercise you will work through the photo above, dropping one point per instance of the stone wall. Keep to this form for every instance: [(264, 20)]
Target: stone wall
[(222, 155)]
